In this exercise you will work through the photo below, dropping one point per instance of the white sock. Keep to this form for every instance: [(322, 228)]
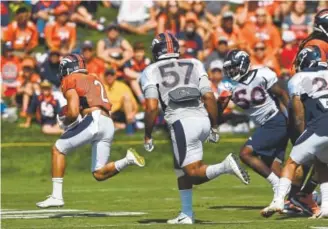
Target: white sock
[(324, 195), (186, 201), (273, 180), (213, 171), (121, 164), (57, 187), (284, 187)]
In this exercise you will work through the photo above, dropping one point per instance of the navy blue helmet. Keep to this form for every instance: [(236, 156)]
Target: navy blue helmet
[(165, 46), (236, 64)]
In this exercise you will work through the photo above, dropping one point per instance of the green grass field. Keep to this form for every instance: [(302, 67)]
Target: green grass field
[(222, 203)]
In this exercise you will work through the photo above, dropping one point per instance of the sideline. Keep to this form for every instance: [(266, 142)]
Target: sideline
[(130, 142)]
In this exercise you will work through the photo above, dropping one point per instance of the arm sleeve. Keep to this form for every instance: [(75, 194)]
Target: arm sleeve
[(270, 78), (151, 92), (204, 85), (68, 83), (293, 89)]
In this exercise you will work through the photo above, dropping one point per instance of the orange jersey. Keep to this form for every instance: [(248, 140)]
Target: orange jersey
[(96, 66), (90, 89), (21, 38), (58, 35)]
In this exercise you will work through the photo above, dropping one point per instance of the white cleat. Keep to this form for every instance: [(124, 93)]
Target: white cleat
[(134, 158), (323, 214), (181, 219), (277, 205), (51, 202), (233, 167)]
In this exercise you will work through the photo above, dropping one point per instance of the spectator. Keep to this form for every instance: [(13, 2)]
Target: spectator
[(42, 11), (45, 107), (4, 9), (203, 17), (298, 21), (172, 19), (215, 76), (124, 105), (49, 71), (22, 33), (114, 49), (262, 30), (228, 30), (61, 34), (78, 13), (94, 64), (137, 16), (288, 52), (262, 58), (28, 84), (10, 67), (218, 53), (193, 43), (134, 67)]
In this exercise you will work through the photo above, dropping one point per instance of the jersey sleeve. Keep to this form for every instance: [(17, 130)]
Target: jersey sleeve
[(68, 83), (204, 83), (148, 85), (225, 89), (270, 78)]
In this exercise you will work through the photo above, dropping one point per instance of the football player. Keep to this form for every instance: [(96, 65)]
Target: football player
[(183, 89), (258, 93), (85, 97), (309, 93), (319, 36)]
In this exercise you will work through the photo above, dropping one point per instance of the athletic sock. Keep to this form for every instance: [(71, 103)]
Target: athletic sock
[(57, 187), (273, 179), (284, 187), (186, 201), (213, 171), (324, 195), (121, 164)]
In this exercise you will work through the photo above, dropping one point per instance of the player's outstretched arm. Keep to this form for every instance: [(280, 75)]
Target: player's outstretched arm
[(298, 114), (150, 116), (281, 94), (212, 108)]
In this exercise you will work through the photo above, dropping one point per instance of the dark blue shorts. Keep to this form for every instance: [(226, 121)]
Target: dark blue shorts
[(271, 138)]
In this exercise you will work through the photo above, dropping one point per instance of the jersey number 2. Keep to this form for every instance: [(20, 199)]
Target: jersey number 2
[(97, 83)]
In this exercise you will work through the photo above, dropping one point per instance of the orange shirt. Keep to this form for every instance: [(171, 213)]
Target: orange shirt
[(60, 36), (268, 61), (90, 89), (233, 38), (21, 38), (9, 70), (35, 78), (267, 34), (96, 66)]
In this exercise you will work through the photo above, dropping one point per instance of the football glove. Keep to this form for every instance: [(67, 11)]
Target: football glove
[(214, 135), (149, 146)]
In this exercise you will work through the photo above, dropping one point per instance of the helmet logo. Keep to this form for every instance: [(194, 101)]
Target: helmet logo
[(241, 53)]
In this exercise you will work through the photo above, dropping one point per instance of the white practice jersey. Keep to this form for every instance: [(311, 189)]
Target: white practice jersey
[(313, 89), (252, 94), (167, 75)]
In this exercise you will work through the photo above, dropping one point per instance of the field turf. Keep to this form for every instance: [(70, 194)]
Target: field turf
[(151, 191)]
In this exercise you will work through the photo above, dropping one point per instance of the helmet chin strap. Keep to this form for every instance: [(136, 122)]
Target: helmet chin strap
[(323, 30)]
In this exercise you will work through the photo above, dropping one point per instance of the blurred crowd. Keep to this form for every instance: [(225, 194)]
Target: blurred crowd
[(35, 35)]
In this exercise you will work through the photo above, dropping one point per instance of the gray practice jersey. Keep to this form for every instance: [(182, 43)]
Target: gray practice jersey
[(252, 94), (313, 89), (164, 77)]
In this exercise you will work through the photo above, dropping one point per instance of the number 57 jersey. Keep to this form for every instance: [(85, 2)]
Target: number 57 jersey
[(182, 78), (312, 87), (252, 94)]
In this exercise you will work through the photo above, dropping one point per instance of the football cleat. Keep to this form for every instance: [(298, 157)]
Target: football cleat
[(277, 205), (182, 219), (323, 214), (51, 202), (233, 166), (134, 158), (306, 203)]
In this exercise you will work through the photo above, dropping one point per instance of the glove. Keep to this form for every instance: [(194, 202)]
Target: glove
[(60, 121), (214, 135), (149, 146)]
